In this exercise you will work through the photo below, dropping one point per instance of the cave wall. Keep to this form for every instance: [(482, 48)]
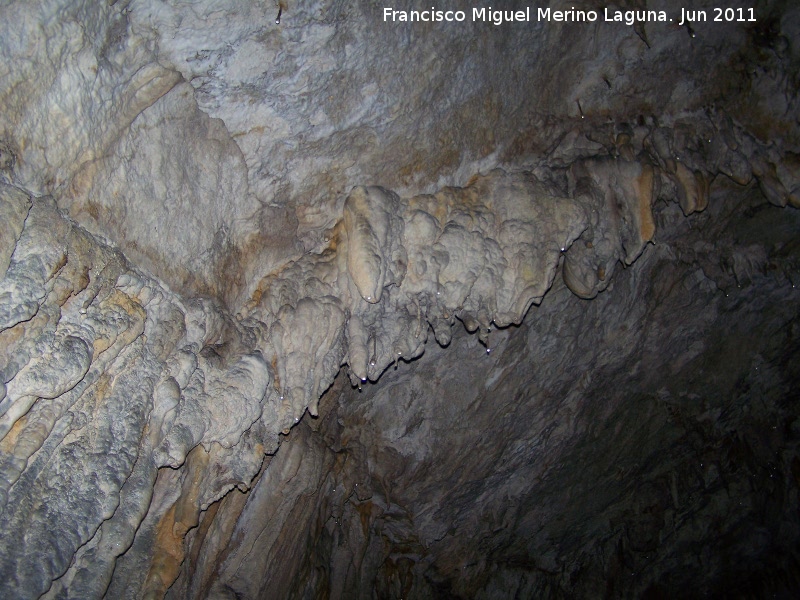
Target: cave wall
[(343, 308), (641, 444)]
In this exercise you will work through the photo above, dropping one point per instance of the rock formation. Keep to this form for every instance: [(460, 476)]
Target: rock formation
[(236, 257)]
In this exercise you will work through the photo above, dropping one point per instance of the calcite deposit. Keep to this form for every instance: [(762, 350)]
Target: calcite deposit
[(296, 302)]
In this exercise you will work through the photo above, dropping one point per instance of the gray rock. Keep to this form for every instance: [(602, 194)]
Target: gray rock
[(213, 223)]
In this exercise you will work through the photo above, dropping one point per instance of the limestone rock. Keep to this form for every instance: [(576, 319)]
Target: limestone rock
[(216, 217)]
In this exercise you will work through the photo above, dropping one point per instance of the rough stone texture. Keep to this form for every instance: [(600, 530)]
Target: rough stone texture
[(108, 376), (641, 444), (212, 224)]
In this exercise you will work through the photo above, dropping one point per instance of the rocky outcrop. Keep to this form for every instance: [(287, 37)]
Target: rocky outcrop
[(107, 377), (515, 475), (212, 392), (394, 268), (194, 254)]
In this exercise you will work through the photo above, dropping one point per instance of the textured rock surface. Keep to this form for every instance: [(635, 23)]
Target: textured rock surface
[(211, 224), (108, 376)]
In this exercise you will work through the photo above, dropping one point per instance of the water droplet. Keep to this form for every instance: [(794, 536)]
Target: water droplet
[(488, 351)]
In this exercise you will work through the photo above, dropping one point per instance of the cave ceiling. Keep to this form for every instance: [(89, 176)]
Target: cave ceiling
[(298, 300)]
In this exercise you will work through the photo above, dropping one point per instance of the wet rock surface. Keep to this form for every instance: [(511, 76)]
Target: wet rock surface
[(301, 310)]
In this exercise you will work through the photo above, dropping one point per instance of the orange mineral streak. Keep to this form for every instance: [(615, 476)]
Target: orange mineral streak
[(173, 527), (644, 192)]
